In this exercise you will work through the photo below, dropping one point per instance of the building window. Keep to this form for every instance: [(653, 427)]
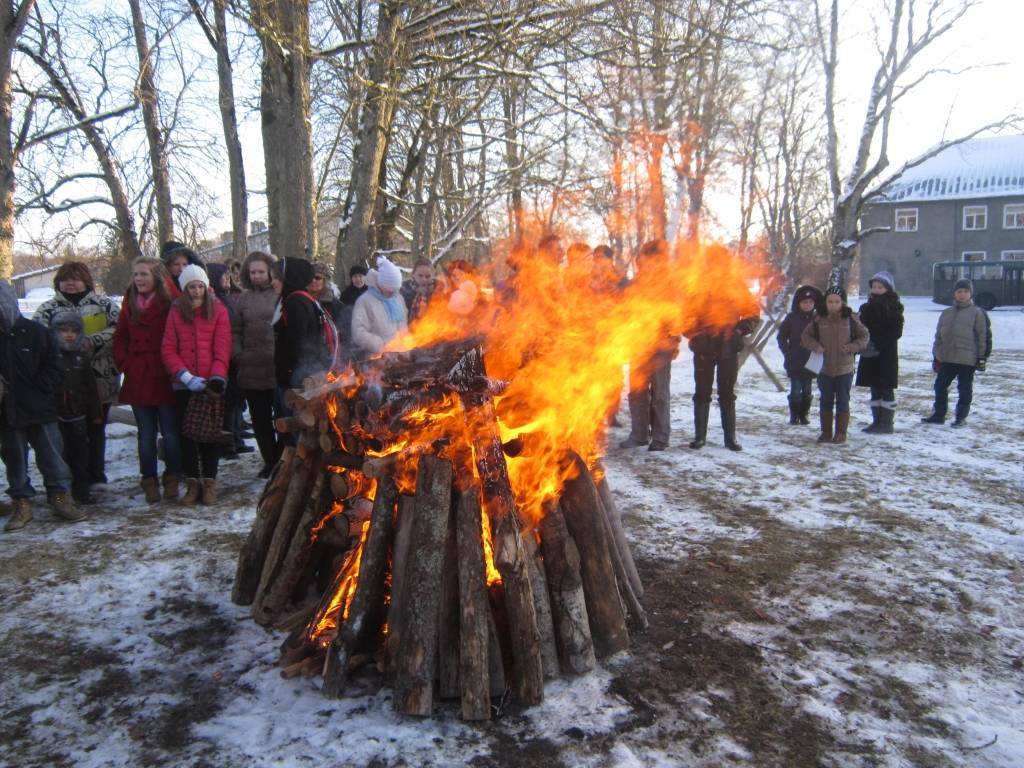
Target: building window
[(1013, 216), (975, 216), (973, 273), (906, 219), (1012, 256)]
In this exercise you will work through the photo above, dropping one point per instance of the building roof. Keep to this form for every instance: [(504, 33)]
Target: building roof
[(35, 272), (990, 167)]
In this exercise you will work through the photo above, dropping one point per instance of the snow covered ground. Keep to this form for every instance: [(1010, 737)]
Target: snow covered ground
[(809, 605)]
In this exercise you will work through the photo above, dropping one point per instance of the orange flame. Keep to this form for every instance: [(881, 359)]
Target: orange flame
[(326, 626)]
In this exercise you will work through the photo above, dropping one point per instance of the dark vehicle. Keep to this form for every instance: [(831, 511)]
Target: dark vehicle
[(996, 283)]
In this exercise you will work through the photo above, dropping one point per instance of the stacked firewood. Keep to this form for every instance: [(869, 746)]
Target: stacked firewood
[(438, 582)]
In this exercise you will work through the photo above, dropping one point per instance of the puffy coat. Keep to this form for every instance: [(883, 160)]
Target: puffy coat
[(883, 317), (77, 394), (829, 334), (794, 354), (137, 355), (99, 318), (372, 327), (30, 365), (252, 339), (201, 347), (963, 335)]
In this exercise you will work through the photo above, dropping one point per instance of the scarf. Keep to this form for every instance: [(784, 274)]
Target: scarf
[(390, 304)]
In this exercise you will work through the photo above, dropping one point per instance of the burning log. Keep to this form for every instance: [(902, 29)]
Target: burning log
[(475, 622), (400, 561), (414, 676), (448, 618), (542, 606)]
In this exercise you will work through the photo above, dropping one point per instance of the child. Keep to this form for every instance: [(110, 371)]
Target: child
[(78, 400), (882, 315), (196, 351), (963, 342), (838, 336), (806, 300)]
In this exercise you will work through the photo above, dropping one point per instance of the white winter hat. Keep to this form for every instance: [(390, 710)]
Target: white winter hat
[(388, 275), (190, 274)]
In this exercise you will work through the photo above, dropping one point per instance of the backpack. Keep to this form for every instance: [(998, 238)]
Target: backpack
[(328, 330)]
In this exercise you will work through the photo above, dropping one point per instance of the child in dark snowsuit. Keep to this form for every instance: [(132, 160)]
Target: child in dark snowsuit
[(78, 400), (806, 301)]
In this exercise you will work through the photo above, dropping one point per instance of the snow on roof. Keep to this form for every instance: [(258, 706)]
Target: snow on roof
[(989, 167), (34, 272)]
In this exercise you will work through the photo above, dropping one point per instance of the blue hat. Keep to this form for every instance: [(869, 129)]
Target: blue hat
[(885, 278)]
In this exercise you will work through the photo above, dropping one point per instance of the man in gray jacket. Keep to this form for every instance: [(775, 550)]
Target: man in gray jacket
[(963, 342)]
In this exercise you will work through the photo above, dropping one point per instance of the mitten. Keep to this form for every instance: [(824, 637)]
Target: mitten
[(194, 383), (981, 364), (216, 385)]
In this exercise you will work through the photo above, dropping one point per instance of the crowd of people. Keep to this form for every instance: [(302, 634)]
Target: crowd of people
[(193, 345)]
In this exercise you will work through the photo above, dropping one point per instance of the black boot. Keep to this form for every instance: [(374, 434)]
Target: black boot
[(794, 411), (729, 426), (700, 424), (885, 419), (805, 410), (876, 421)]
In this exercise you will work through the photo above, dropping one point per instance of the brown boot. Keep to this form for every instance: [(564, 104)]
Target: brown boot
[(151, 489), (171, 487), (64, 508), (842, 422), (21, 514), (826, 427), (191, 491), (209, 490)]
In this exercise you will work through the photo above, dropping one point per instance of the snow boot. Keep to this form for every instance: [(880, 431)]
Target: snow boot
[(729, 426), (960, 416), (842, 422), (191, 491), (209, 490), (876, 418), (934, 419), (794, 412), (886, 415), (805, 410), (701, 411), (151, 489), (21, 515), (826, 427), (171, 487), (64, 508)]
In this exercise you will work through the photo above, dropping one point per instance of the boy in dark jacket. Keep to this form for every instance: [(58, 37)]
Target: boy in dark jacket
[(78, 401), (806, 301), (30, 367)]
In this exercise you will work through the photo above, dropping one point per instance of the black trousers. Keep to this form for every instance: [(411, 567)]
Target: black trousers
[(261, 413), (97, 434), (704, 377), (77, 448), (197, 459)]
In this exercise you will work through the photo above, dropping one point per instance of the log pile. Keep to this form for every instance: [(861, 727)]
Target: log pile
[(438, 582)]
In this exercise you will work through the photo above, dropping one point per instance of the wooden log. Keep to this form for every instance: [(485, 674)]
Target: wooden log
[(254, 550), (509, 559), (618, 533), (399, 562), (380, 466), (580, 504), (287, 424), (495, 661), (344, 460), (353, 633), (328, 441), (629, 598), (339, 485), (303, 475), (474, 614), (307, 445), (414, 676), (277, 596), (565, 586), (541, 605), (448, 617)]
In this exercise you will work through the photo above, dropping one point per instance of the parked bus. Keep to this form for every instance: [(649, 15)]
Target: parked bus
[(996, 283)]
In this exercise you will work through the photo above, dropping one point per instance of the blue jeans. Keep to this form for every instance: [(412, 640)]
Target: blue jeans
[(149, 418), (45, 440), (800, 389), (880, 395), (835, 390), (964, 375)]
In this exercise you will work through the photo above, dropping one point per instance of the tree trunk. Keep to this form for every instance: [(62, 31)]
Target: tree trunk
[(154, 133), (233, 145), (12, 23)]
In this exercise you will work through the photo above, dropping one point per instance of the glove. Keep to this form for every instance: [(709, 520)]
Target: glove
[(981, 364), (216, 385), (194, 383), (935, 366)]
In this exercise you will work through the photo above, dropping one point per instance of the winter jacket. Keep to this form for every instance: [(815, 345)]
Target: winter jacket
[(228, 298), (882, 315), (795, 354), (415, 301), (372, 326), (725, 343), (99, 317), (963, 335), (829, 334), (77, 393), (29, 364), (252, 339), (305, 338), (137, 355), (201, 347)]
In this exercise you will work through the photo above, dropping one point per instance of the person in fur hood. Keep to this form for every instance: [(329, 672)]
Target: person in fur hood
[(878, 368)]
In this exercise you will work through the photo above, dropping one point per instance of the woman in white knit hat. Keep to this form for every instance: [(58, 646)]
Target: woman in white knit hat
[(379, 314)]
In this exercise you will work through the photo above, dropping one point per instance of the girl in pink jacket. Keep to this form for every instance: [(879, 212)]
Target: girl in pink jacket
[(196, 351)]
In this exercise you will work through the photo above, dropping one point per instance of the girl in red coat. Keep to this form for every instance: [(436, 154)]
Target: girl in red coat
[(196, 351), (147, 387)]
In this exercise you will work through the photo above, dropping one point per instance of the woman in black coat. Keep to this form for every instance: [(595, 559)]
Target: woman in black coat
[(807, 301), (883, 317)]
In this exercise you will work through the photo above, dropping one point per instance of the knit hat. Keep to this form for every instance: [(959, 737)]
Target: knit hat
[(67, 318), (834, 289), (964, 283), (807, 292), (356, 269), (298, 273), (388, 275), (192, 274), (885, 278)]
